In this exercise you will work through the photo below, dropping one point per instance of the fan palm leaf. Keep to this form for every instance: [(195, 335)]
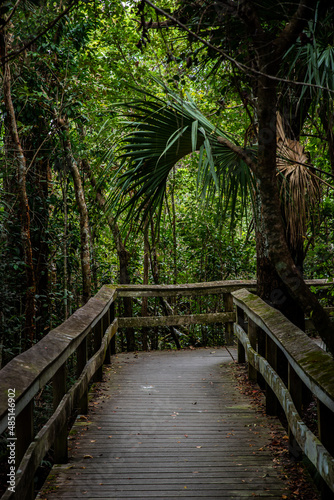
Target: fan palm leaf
[(159, 133), (300, 189)]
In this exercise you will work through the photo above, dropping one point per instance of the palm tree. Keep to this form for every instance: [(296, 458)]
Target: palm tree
[(162, 131), (255, 38)]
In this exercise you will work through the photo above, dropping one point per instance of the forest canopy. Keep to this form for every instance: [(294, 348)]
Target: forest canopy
[(166, 142)]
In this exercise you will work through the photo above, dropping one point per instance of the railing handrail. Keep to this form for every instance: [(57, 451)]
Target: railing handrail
[(28, 378), (30, 371), (294, 343), (308, 364), (205, 288)]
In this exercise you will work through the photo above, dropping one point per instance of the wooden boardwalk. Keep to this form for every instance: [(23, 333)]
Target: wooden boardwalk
[(169, 425)]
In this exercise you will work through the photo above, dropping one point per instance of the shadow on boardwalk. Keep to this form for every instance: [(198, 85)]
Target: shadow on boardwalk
[(168, 424)]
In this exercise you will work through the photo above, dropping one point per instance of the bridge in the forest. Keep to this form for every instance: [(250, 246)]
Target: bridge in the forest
[(166, 424)]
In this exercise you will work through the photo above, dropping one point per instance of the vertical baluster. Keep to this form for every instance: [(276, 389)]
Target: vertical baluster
[(252, 335), (97, 344), (240, 321), (82, 356), (24, 433), (261, 349), (295, 387), (326, 436), (59, 389), (271, 356), (228, 307), (106, 323), (113, 340)]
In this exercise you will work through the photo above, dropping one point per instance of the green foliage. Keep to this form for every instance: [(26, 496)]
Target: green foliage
[(163, 132), (91, 65)]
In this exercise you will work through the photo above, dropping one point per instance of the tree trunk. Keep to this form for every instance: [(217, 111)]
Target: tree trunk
[(122, 252), (155, 273), (83, 212), (30, 306), (146, 268), (275, 248)]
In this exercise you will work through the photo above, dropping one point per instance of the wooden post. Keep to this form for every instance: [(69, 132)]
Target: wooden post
[(82, 356), (106, 323), (59, 389), (228, 307), (326, 436), (252, 335), (241, 350), (295, 387), (111, 319), (271, 356), (325, 426), (261, 349), (24, 433), (97, 344)]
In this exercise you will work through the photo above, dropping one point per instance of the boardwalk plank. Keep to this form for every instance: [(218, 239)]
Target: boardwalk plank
[(168, 425)]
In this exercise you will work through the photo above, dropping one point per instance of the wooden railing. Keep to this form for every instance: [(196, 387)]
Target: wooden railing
[(92, 325), (27, 374), (293, 369)]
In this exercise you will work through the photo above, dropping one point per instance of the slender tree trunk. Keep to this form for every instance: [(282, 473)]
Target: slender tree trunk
[(66, 281), (168, 310), (145, 282), (122, 252), (83, 212), (30, 307), (275, 248)]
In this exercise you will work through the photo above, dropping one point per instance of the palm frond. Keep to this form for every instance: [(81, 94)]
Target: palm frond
[(159, 133), (300, 189)]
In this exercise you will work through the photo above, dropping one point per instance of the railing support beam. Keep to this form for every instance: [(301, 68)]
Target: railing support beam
[(98, 334), (228, 307), (82, 357), (295, 387), (241, 349), (252, 335), (59, 389), (271, 356), (24, 430)]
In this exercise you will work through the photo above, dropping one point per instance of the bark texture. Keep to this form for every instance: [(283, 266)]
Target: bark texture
[(83, 212), (122, 252), (21, 168), (274, 245)]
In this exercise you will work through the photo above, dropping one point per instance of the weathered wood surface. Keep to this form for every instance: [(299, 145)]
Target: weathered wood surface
[(60, 418), (184, 319), (206, 288), (313, 365), (307, 441), (310, 365), (168, 425), (31, 370)]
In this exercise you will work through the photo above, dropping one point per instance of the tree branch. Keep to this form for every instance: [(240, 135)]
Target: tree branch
[(291, 31), (239, 151), (241, 66)]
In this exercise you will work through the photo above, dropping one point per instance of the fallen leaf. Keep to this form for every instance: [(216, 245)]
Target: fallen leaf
[(88, 456), (198, 446)]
